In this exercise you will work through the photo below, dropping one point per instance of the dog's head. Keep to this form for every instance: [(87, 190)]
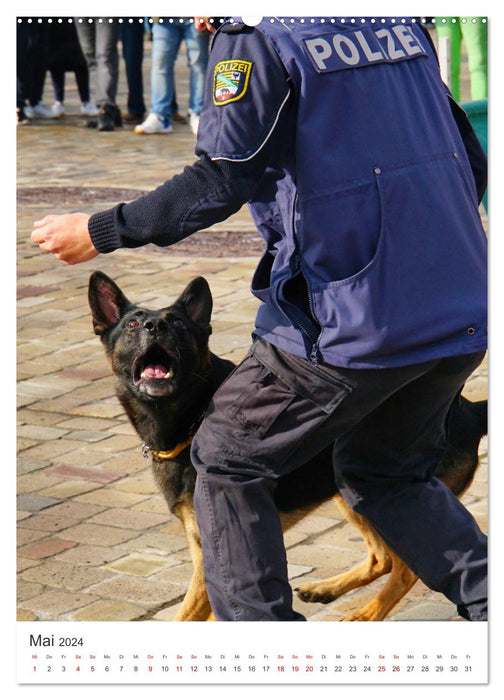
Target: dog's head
[(153, 353)]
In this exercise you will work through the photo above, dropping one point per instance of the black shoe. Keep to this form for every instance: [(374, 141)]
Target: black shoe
[(109, 118), (130, 118), (118, 120), (22, 119)]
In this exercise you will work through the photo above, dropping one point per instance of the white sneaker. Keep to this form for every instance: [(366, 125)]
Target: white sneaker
[(154, 125), (89, 110), (194, 120), (41, 111), (57, 110)]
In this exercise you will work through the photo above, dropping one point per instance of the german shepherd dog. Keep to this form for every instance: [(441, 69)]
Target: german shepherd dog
[(166, 376)]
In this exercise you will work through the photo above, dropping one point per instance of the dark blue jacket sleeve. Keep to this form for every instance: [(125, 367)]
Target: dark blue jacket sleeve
[(234, 148)]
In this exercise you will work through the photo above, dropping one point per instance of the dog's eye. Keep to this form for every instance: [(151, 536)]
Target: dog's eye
[(178, 323), (133, 323)]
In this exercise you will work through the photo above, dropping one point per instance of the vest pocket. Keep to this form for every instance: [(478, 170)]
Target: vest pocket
[(426, 275)]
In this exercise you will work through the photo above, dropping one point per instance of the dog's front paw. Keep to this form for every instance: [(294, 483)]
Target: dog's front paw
[(315, 592)]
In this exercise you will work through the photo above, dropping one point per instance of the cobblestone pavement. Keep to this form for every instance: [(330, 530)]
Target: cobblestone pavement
[(95, 539)]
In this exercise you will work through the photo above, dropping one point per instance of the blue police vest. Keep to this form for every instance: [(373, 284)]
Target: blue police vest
[(375, 206)]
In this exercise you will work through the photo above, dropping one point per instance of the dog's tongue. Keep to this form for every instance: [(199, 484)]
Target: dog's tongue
[(154, 372)]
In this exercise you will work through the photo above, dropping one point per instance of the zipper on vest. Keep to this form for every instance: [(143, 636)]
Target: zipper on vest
[(296, 267)]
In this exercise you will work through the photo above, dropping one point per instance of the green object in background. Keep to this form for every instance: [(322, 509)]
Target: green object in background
[(477, 112)]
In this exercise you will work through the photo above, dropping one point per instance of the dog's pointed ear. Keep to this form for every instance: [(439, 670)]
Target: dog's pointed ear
[(108, 304), (197, 301)]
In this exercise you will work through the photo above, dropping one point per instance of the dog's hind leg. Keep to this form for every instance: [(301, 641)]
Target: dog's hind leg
[(195, 606), (378, 562), (400, 581)]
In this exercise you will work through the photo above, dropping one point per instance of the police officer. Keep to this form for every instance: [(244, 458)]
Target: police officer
[(363, 177)]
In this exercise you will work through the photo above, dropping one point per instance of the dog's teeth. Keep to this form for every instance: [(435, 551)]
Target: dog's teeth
[(169, 374), (143, 375)]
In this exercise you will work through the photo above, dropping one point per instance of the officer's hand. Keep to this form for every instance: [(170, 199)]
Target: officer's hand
[(66, 236)]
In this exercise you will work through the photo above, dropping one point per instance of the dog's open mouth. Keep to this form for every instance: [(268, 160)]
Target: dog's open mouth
[(154, 370)]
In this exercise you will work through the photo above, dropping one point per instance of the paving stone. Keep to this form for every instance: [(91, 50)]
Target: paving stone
[(35, 502), (123, 517), (111, 498), (22, 563), (130, 462), (22, 515), (98, 534), (167, 614), (25, 616), (143, 483), (159, 543), (49, 522), (26, 590), (143, 565), (82, 457), (155, 504), (56, 603), (95, 409), (99, 476), (40, 432), (108, 611), (88, 435), (69, 489), (180, 573), (92, 555), (68, 576), (117, 443), (25, 536), (46, 548), (138, 590), (29, 417), (36, 481), (73, 509), (327, 561), (82, 423), (427, 611), (51, 450)]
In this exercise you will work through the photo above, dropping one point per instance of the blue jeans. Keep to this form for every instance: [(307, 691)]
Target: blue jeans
[(166, 40)]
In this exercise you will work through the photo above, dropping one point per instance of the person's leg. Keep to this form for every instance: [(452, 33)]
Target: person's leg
[(256, 430), (133, 48), (58, 81), (272, 415), (197, 59), (475, 37), (107, 58), (166, 39), (82, 80), (87, 39), (385, 471)]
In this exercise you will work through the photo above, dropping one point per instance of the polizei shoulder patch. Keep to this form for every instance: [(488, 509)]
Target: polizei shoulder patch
[(230, 82)]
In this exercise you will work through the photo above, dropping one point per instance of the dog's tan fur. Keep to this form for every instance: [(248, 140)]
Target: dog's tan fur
[(379, 561)]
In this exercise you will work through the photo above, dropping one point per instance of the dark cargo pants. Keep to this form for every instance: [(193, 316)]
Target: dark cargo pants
[(273, 413)]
